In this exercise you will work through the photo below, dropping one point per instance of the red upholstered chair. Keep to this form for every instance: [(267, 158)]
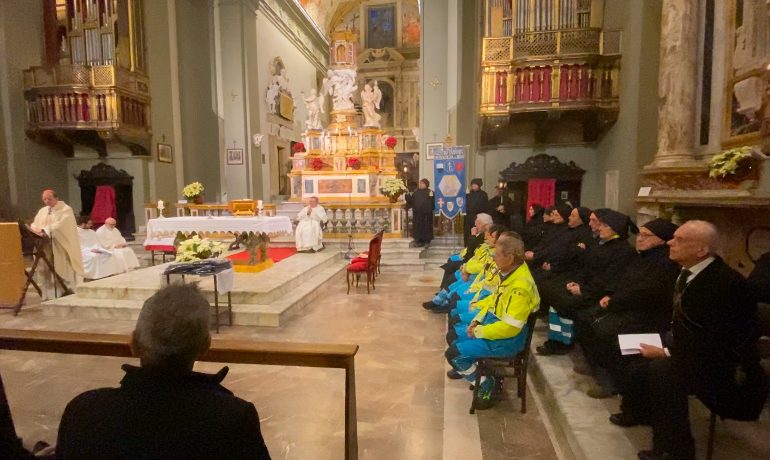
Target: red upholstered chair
[(365, 263)]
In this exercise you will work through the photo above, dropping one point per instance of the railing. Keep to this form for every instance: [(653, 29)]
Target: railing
[(221, 351), (364, 220), (551, 43)]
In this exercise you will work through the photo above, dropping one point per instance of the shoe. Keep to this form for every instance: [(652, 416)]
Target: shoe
[(487, 394), (625, 420), (599, 392), (552, 347), (453, 374), (429, 305), (583, 369), (652, 455), (441, 308)]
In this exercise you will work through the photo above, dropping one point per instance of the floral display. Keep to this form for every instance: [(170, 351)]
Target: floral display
[(299, 147), (197, 248), (317, 164), (354, 163), (730, 162), (192, 190), (393, 188), (391, 142)]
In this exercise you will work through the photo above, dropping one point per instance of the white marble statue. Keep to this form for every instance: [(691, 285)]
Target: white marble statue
[(271, 97), (370, 102), (340, 84), (315, 107)]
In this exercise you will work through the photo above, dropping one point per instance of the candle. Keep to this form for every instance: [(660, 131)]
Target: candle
[(259, 204), (160, 205)]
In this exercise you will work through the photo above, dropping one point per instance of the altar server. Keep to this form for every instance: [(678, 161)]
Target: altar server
[(111, 239), (309, 236), (56, 220)]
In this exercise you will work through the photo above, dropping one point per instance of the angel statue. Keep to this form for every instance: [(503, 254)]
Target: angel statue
[(340, 84), (315, 107), (370, 104)]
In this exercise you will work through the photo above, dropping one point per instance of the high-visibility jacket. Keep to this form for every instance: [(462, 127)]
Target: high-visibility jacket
[(511, 304), (481, 257), (488, 280)]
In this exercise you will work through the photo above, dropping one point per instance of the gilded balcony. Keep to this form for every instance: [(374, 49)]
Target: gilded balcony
[(71, 104)]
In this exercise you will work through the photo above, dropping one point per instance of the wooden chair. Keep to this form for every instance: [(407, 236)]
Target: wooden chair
[(499, 366), (367, 265)]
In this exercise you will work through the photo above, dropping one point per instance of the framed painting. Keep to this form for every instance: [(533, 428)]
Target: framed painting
[(432, 149), (381, 26), (165, 153), (234, 156)]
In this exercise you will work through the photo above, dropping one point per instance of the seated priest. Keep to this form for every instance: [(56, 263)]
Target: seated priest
[(97, 261), (111, 239), (56, 221), (499, 329), (309, 236)]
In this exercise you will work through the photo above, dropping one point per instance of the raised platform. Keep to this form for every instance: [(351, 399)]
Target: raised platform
[(268, 298)]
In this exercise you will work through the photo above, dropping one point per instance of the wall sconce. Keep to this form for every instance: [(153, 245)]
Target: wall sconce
[(257, 139)]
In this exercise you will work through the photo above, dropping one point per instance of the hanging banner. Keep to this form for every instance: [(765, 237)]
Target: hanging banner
[(449, 173)]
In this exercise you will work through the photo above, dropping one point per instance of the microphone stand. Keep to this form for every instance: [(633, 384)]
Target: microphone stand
[(351, 251)]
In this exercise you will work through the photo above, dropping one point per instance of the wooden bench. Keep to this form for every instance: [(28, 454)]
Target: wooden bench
[(221, 351)]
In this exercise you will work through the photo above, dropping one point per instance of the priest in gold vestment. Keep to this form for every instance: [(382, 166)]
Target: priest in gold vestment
[(56, 220)]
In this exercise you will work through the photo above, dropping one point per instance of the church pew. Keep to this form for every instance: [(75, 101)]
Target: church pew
[(221, 351)]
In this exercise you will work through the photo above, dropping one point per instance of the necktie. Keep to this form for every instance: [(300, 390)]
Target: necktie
[(679, 287)]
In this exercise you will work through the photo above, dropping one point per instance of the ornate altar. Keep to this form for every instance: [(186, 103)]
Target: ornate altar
[(345, 160)]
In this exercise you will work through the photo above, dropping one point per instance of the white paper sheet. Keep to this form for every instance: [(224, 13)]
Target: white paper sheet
[(629, 343)]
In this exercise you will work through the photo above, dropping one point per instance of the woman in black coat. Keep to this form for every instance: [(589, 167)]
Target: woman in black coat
[(422, 204), (475, 203), (533, 229)]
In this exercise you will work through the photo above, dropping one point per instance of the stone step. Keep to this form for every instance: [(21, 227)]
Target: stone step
[(272, 314), (403, 265)]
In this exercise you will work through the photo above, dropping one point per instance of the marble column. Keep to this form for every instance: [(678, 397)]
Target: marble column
[(677, 84)]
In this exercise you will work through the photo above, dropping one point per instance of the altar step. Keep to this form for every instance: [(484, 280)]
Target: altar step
[(268, 298)]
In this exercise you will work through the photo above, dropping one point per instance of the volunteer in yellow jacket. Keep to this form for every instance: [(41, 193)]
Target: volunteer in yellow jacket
[(499, 329)]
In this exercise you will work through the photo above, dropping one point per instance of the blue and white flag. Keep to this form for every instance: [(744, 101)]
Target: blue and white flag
[(449, 173)]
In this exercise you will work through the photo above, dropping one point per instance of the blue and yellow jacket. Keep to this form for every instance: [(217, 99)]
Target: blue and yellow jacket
[(513, 301)]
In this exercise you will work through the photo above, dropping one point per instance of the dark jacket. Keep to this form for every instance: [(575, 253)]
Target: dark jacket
[(475, 203), (500, 218), (533, 229), (421, 201), (714, 343), (643, 298), (568, 255), (604, 267), (550, 244), (161, 415)]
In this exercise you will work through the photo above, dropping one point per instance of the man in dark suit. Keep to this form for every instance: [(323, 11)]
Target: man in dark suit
[(475, 203), (163, 409), (713, 350)]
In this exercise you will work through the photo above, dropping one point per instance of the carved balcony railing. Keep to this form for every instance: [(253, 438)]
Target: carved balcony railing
[(551, 44), (73, 103)]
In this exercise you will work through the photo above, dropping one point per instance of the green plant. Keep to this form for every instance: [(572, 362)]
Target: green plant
[(197, 248), (729, 161), (192, 190)]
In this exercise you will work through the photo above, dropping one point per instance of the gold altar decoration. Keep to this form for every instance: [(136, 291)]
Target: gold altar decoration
[(325, 169)]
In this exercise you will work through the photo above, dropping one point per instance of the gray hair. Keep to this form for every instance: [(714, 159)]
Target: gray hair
[(484, 218), (706, 233), (510, 243), (173, 326)]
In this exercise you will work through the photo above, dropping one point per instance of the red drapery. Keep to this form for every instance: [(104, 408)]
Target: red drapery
[(104, 204), (542, 192)]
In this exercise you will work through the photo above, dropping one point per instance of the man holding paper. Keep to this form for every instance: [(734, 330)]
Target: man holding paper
[(713, 351)]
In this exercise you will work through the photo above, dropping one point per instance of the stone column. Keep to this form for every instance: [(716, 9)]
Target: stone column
[(677, 84)]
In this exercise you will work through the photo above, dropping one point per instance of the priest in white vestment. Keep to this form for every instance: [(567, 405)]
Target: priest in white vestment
[(56, 220), (111, 239), (97, 261), (309, 236)]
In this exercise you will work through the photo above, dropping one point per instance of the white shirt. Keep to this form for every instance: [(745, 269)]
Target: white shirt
[(699, 267)]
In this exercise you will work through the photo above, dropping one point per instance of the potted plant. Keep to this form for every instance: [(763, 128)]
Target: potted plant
[(197, 248), (354, 163), (298, 147), (393, 188), (737, 162), (391, 142), (193, 192)]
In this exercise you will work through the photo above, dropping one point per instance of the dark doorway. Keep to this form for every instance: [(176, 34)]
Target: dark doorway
[(122, 182)]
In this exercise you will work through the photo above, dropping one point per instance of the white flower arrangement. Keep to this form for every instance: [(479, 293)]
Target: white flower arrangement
[(197, 248), (728, 162), (393, 187), (192, 190)]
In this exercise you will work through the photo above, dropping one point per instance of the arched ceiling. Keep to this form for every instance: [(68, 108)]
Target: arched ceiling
[(323, 12)]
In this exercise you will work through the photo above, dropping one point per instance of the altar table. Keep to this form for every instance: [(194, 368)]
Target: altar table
[(160, 230)]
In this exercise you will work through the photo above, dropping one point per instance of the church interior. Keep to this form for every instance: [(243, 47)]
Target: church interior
[(212, 129)]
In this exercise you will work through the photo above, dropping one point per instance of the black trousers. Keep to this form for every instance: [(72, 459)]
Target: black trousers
[(449, 272)]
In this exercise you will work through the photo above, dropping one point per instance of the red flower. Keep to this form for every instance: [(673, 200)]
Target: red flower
[(317, 164), (390, 142), (354, 162), (299, 147)]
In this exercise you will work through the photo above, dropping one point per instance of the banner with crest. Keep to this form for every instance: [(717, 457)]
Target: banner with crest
[(449, 174)]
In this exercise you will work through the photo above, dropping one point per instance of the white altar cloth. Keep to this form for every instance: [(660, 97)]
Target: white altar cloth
[(160, 229)]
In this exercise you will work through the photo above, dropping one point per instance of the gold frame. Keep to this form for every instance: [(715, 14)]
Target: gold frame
[(727, 140)]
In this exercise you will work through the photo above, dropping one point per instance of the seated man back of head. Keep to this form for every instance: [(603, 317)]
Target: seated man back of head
[(163, 409)]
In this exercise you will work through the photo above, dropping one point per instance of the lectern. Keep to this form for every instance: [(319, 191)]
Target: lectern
[(11, 265)]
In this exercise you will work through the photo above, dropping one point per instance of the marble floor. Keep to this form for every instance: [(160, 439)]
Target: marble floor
[(407, 408)]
